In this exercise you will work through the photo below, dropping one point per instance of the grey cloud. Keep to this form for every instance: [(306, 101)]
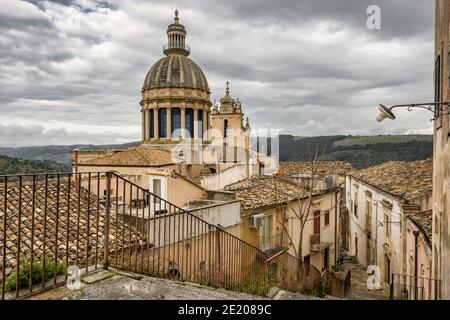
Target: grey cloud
[(309, 67)]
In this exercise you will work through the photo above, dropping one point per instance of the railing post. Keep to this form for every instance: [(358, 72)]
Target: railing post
[(107, 213), (209, 254)]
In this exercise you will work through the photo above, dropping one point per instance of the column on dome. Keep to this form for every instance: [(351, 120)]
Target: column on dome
[(156, 122), (195, 123), (176, 122), (162, 125), (183, 122), (169, 122), (205, 124), (151, 124), (190, 122), (146, 124)]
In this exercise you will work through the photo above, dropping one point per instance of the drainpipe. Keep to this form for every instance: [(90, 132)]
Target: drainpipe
[(376, 233), (335, 229), (416, 265)]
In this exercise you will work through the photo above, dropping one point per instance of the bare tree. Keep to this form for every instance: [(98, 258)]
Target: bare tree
[(299, 204)]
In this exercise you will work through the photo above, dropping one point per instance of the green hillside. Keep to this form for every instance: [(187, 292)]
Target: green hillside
[(360, 151), (10, 165)]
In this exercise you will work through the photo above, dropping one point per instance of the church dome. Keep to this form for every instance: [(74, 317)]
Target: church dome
[(176, 71)]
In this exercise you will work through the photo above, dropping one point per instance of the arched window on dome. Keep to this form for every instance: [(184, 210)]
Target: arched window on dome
[(190, 122), (162, 116), (176, 122), (151, 119), (200, 124)]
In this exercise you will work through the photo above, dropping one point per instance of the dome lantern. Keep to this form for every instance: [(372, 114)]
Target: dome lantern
[(176, 39)]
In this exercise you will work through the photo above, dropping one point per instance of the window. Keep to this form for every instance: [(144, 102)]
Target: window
[(200, 124), (225, 128), (437, 84), (152, 123), (176, 122), (387, 224), (162, 113), (190, 122), (355, 204), (157, 190), (327, 217), (317, 222)]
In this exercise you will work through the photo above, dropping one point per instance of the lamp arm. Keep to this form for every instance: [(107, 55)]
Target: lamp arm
[(426, 106)]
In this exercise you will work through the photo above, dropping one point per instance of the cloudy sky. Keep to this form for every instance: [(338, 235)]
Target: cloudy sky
[(71, 70)]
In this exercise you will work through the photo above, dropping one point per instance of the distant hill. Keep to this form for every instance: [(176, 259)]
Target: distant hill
[(360, 151), (61, 154), (10, 165)]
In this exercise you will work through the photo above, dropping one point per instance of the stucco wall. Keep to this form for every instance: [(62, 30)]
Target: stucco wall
[(373, 245), (441, 170), (423, 259), (219, 180)]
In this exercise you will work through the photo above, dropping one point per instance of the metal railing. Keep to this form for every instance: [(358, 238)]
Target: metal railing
[(177, 46), (407, 287), (314, 241), (52, 223), (95, 220)]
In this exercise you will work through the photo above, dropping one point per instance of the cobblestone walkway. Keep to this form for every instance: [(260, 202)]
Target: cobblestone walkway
[(358, 289)]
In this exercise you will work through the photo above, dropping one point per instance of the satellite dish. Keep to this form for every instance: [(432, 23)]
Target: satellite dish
[(385, 112)]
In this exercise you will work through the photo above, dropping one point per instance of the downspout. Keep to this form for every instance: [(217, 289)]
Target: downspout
[(416, 265), (336, 245), (376, 233)]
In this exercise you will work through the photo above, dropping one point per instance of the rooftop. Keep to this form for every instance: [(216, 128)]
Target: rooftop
[(424, 220), (325, 167), (258, 192), (79, 229), (134, 157), (407, 180)]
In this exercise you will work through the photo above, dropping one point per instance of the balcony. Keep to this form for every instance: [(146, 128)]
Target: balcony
[(185, 49), (316, 245), (272, 244)]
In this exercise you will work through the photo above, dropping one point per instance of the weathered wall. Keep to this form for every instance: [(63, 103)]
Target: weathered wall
[(368, 226), (423, 259), (220, 179), (441, 170)]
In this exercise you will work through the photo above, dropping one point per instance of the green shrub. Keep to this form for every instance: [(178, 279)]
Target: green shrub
[(36, 277), (322, 290)]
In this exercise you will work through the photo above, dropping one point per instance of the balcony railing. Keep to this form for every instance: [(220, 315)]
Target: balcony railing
[(315, 242), (272, 242), (185, 47)]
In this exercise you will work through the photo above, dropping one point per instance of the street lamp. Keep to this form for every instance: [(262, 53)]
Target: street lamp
[(386, 113)]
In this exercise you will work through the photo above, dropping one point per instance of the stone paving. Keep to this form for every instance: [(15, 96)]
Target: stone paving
[(358, 288), (106, 285)]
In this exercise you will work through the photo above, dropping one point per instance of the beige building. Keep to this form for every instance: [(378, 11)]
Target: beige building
[(379, 200), (441, 182), (419, 255), (268, 201)]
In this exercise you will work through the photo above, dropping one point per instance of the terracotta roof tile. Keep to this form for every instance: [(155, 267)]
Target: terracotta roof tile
[(70, 223), (139, 156), (407, 180), (326, 167), (424, 220), (258, 192)]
